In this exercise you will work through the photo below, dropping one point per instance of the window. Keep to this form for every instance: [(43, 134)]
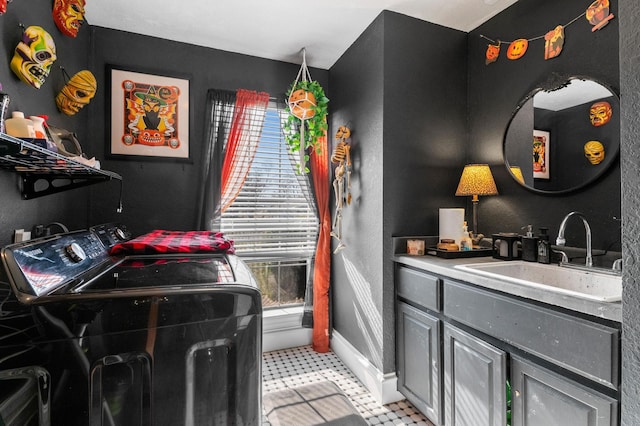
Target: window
[(273, 222)]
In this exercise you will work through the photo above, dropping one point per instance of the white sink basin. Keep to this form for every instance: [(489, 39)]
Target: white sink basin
[(585, 284)]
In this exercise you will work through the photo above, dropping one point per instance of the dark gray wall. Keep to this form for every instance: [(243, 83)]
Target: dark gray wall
[(69, 208), (629, 16), (164, 194), (401, 88), (496, 89)]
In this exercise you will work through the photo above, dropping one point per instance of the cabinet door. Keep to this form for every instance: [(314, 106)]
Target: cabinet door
[(474, 381), (544, 398), (418, 359)]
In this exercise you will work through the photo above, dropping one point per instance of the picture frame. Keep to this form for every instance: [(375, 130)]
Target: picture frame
[(540, 150), (148, 115)]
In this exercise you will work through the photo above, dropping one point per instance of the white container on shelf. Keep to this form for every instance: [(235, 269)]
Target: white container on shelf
[(41, 133), (38, 126), (18, 126)]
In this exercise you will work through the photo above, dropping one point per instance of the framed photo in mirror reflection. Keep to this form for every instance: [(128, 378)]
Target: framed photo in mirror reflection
[(541, 150)]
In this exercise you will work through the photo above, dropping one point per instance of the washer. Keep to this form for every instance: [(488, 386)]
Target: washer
[(87, 338)]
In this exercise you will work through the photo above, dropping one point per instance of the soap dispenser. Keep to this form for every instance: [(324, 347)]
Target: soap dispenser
[(466, 243), (529, 245), (544, 247)]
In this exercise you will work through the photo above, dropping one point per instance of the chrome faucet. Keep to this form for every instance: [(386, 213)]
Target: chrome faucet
[(560, 241)]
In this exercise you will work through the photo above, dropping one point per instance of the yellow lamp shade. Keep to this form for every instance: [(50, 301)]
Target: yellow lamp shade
[(476, 180)]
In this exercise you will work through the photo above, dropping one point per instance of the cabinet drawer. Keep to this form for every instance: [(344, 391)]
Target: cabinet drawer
[(418, 287), (584, 347)]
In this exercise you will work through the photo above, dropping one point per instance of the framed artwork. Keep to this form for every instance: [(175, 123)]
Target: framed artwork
[(541, 148), (149, 115)]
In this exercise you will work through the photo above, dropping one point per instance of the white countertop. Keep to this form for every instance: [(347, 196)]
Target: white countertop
[(446, 267)]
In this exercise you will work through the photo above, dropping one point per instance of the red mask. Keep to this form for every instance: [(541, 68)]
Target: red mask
[(68, 16)]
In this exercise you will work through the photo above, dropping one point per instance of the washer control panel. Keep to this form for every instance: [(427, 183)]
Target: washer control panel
[(43, 266)]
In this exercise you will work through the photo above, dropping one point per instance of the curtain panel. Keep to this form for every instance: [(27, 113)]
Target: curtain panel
[(219, 113), (234, 122), (319, 166)]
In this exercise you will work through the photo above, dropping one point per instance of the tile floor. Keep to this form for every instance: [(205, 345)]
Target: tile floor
[(294, 367)]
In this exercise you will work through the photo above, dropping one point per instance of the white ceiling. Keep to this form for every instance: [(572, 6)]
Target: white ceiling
[(279, 29)]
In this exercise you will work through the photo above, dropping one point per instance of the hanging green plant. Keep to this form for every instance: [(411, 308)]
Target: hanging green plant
[(307, 108)]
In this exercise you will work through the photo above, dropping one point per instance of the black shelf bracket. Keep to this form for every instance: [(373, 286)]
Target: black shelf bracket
[(46, 172), (36, 185)]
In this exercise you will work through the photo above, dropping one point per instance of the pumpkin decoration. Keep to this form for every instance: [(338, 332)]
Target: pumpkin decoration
[(301, 104), (517, 48), (493, 51), (307, 108)]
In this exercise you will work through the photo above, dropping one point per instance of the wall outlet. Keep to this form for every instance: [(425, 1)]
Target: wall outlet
[(21, 235)]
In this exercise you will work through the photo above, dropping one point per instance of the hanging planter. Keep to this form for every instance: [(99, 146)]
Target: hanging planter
[(307, 113)]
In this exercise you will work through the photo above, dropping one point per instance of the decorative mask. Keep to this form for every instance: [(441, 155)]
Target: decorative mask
[(493, 51), (517, 48), (34, 56), (77, 93), (598, 14), (594, 151), (600, 113), (554, 40), (68, 16)]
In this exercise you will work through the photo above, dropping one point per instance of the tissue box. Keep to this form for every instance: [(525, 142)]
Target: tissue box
[(415, 247)]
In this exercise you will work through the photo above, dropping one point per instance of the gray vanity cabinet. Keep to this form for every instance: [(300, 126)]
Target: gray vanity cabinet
[(458, 345), (418, 355), (543, 398), (474, 380)]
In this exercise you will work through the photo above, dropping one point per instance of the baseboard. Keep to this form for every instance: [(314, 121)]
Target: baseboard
[(282, 330), (383, 387)]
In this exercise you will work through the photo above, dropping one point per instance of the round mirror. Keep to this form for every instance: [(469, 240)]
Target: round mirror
[(563, 136)]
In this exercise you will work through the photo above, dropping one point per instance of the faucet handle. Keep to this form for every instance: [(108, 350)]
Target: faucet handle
[(565, 258)]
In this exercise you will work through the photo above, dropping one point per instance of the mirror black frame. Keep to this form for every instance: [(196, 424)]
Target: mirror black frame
[(555, 82)]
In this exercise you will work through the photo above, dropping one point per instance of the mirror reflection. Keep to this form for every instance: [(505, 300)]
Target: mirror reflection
[(563, 137)]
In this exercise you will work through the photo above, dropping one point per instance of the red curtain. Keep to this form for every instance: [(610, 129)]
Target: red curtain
[(248, 118), (319, 166)]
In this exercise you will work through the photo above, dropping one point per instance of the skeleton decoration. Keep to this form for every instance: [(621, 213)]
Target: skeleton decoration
[(77, 93), (594, 151), (600, 113), (341, 156), (68, 16), (34, 56)]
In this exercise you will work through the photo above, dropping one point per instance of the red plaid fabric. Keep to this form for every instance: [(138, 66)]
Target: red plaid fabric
[(159, 241)]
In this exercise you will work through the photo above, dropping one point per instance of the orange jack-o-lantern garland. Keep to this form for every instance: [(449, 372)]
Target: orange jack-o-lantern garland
[(597, 14)]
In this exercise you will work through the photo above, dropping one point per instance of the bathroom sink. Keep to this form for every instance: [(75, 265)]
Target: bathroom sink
[(592, 285)]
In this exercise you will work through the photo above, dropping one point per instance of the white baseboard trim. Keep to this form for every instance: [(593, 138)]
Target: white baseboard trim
[(383, 387), (281, 329)]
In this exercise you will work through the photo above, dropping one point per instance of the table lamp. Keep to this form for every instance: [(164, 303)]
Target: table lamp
[(476, 180)]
